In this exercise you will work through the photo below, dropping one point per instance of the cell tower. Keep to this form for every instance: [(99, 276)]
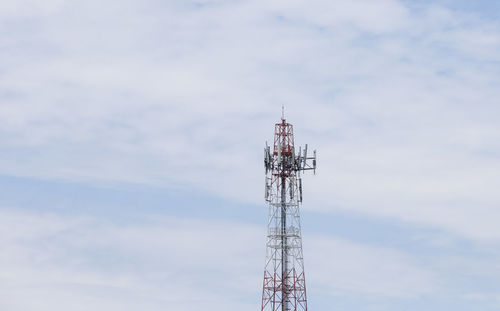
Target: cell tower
[(284, 285)]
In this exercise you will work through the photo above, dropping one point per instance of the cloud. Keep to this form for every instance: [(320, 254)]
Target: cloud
[(76, 263), (80, 263), (341, 268), (400, 103)]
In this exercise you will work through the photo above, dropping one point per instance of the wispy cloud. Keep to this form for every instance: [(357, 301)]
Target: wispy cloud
[(401, 102), (81, 262)]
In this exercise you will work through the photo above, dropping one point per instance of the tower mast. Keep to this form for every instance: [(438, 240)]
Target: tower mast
[(284, 287)]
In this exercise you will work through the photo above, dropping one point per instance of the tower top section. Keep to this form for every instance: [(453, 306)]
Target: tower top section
[(285, 161), (284, 156)]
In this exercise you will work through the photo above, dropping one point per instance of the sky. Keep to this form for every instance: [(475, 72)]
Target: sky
[(131, 152)]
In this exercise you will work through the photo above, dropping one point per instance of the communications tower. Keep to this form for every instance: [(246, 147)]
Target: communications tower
[(284, 287)]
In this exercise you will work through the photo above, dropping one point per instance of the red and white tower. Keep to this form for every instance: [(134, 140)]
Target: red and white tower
[(284, 287)]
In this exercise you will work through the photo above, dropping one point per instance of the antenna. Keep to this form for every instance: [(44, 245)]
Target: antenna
[(282, 112)]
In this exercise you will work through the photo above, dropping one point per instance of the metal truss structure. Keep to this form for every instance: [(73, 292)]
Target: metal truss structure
[(284, 285)]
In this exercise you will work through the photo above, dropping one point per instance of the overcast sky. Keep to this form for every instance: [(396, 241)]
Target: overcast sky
[(132, 135)]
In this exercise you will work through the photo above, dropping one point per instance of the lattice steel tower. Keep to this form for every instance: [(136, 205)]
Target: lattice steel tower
[(284, 285)]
